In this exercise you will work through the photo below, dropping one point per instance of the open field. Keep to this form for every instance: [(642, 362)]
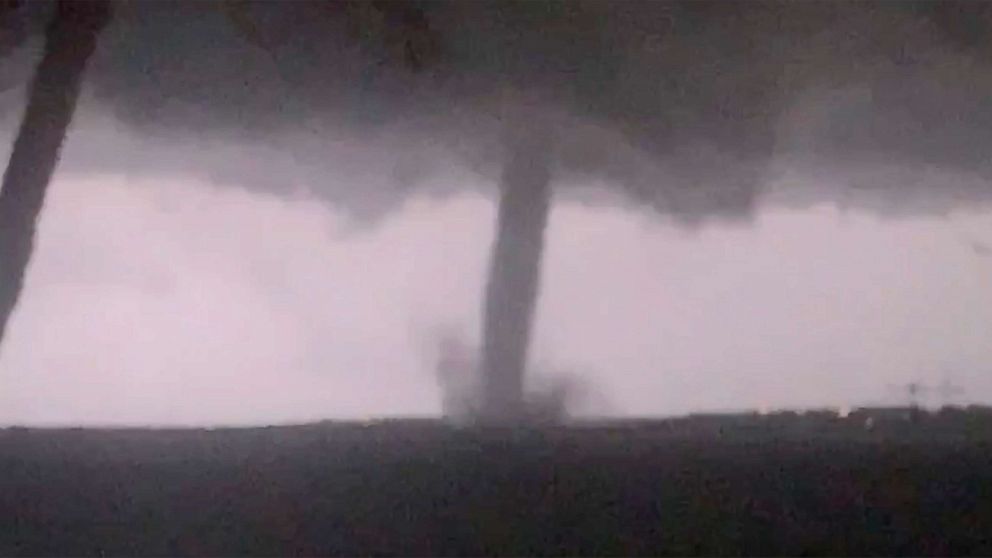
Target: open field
[(784, 484)]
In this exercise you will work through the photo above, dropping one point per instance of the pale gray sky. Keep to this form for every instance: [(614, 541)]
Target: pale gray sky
[(167, 301)]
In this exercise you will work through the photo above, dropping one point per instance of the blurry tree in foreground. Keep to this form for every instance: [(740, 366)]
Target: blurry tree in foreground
[(70, 40)]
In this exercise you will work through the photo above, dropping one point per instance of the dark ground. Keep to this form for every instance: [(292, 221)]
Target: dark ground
[(710, 485)]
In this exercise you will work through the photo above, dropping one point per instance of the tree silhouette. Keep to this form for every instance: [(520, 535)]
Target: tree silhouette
[(69, 41)]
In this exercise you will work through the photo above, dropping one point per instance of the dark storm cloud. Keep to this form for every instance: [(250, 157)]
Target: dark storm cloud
[(680, 104)]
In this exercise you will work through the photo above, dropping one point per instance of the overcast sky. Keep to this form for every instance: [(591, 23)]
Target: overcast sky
[(168, 301)]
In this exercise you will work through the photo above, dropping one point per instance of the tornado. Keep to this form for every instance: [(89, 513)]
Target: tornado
[(514, 272), (69, 42)]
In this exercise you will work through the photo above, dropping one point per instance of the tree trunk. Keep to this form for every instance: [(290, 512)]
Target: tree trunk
[(514, 274), (69, 41)]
